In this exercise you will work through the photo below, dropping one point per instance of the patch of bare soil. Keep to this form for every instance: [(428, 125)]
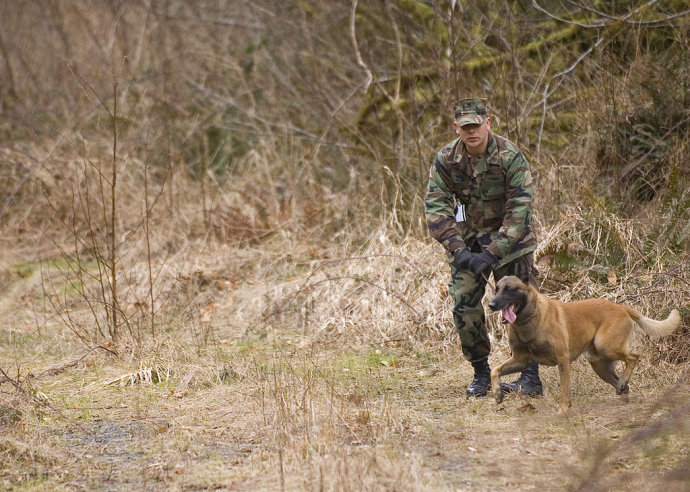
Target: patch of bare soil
[(372, 426)]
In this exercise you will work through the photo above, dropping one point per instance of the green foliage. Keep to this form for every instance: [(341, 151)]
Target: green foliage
[(425, 17), (376, 359)]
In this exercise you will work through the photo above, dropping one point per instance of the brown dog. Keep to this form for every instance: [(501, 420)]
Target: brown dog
[(552, 333)]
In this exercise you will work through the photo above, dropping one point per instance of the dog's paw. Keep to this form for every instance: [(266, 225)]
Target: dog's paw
[(499, 396), (622, 388)]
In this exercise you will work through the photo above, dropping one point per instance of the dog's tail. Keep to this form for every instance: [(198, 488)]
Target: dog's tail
[(654, 328)]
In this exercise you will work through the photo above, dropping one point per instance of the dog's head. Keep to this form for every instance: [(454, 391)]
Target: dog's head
[(511, 296)]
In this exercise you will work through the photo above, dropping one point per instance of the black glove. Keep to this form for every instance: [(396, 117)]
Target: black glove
[(479, 262), (461, 258)]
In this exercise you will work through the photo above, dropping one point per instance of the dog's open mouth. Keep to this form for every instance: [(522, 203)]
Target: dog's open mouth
[(509, 314)]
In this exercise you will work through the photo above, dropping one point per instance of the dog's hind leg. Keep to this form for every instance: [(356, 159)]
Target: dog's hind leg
[(630, 363), (606, 370), (613, 342)]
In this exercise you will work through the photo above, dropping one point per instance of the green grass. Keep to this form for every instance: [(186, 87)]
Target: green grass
[(375, 359)]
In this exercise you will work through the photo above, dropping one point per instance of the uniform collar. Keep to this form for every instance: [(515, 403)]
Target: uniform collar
[(490, 155)]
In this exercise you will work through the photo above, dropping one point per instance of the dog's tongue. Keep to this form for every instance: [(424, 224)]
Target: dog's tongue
[(509, 315)]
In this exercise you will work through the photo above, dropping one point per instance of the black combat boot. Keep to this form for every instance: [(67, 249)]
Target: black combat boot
[(482, 379), (528, 383)]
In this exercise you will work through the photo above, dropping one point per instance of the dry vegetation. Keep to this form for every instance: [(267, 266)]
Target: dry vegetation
[(215, 272)]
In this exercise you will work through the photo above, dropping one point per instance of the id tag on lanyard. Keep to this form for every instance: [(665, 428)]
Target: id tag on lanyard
[(460, 213)]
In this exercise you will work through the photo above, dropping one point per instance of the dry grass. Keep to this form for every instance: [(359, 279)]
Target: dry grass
[(318, 370)]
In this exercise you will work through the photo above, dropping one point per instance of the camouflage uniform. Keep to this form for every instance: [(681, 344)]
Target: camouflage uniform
[(494, 193)]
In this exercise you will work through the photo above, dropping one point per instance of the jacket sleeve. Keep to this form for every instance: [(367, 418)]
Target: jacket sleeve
[(518, 208), (440, 204)]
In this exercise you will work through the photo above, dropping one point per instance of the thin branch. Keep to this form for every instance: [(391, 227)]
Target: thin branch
[(561, 75), (626, 18), (611, 18), (86, 85), (579, 59), (360, 61), (322, 140), (608, 16), (561, 19), (541, 125)]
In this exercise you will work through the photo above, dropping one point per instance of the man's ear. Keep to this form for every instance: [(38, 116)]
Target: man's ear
[(488, 122), (456, 127)]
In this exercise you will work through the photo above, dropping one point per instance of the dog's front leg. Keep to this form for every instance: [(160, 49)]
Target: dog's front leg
[(514, 364), (564, 371)]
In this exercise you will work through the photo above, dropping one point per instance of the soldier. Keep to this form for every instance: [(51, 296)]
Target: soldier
[(479, 207)]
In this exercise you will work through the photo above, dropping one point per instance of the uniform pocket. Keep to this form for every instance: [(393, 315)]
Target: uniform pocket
[(493, 192), (493, 187), (462, 188)]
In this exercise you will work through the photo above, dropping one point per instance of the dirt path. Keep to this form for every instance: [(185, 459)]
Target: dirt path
[(297, 405), (343, 421)]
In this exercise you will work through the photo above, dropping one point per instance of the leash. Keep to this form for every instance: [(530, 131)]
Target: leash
[(491, 285)]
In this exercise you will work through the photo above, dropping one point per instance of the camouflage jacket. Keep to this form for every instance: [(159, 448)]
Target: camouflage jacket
[(496, 192)]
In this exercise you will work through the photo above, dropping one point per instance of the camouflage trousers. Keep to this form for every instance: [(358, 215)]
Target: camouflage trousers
[(467, 291)]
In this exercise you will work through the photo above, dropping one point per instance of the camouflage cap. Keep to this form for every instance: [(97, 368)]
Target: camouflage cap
[(470, 111)]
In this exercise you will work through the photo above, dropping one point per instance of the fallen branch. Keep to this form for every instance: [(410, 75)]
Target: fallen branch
[(41, 401), (59, 369)]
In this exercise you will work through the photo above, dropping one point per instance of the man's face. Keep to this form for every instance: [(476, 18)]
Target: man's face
[(475, 137)]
